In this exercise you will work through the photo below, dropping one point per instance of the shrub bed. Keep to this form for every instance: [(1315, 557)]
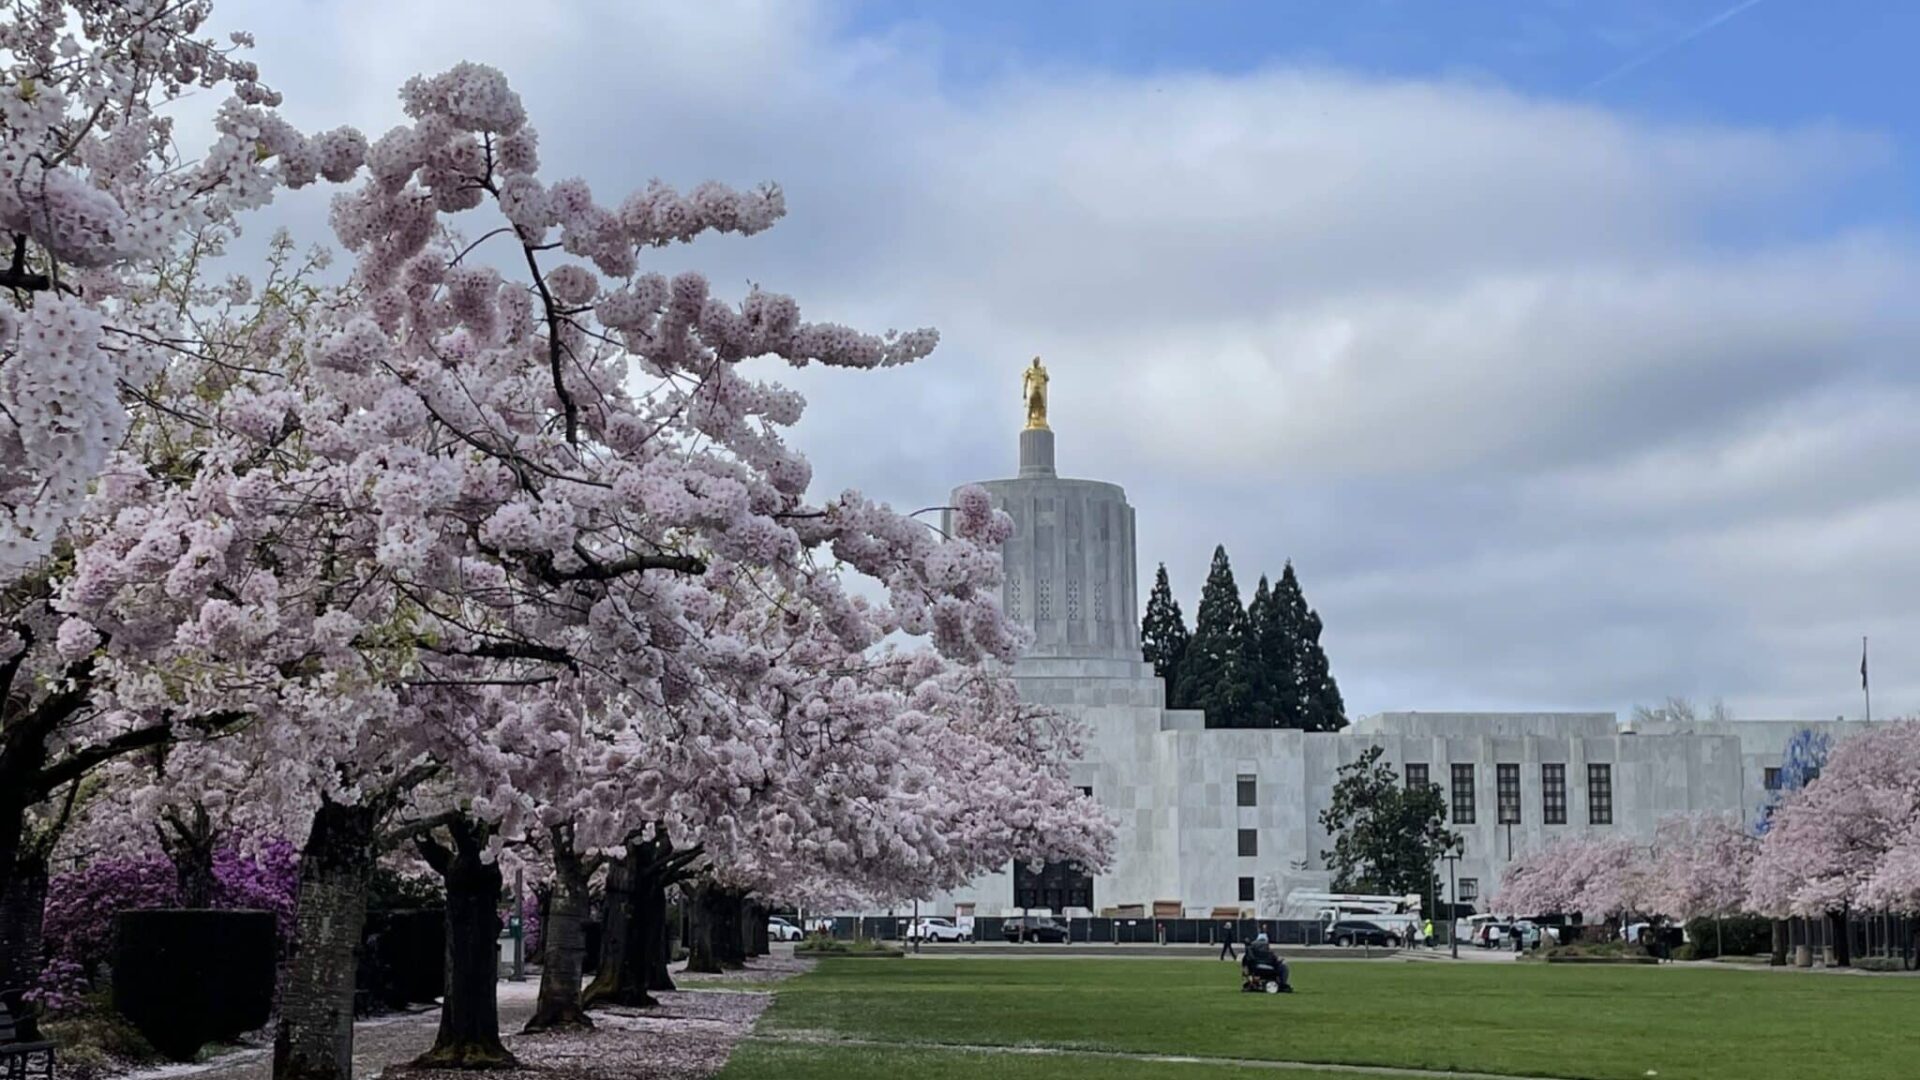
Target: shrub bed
[(1736, 935), (864, 947)]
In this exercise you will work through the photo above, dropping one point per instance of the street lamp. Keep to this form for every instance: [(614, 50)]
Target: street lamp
[(1452, 855)]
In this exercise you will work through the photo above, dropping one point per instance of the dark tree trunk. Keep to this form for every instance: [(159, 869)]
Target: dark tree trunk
[(1842, 938), (733, 907), (757, 930), (23, 912), (653, 925), (718, 944), (314, 1038), (1779, 951), (622, 980), (705, 935), (469, 1036), (188, 841), (745, 910), (563, 941)]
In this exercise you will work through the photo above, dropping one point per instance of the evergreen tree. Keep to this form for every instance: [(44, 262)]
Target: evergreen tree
[(1257, 645), (1311, 701), (1213, 675), (1163, 635)]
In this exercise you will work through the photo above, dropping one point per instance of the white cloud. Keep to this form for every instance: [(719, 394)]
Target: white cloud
[(1527, 388)]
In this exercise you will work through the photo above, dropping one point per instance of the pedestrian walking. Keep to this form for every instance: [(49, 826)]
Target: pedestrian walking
[(1226, 941), (1426, 933)]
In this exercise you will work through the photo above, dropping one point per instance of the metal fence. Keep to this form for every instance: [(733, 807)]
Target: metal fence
[(1137, 931)]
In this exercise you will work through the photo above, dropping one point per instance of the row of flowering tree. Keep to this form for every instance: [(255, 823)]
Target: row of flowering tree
[(496, 548), (1845, 842)]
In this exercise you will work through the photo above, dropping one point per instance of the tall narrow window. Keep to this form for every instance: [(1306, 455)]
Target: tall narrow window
[(1599, 794), (1463, 794), (1773, 779), (1246, 890), (1469, 889), (1553, 794), (1416, 776), (1245, 790), (1507, 782), (1249, 843)]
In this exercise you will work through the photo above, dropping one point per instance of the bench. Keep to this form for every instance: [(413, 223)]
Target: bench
[(23, 1053)]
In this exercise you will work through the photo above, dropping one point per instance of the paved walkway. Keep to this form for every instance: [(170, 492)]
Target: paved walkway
[(834, 1039), (377, 1043), (688, 1037)]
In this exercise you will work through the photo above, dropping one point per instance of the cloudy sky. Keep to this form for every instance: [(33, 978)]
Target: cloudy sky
[(1568, 349)]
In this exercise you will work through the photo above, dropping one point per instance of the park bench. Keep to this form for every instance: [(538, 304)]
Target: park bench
[(23, 1053)]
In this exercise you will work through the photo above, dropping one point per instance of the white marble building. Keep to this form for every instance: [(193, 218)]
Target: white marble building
[(1205, 814)]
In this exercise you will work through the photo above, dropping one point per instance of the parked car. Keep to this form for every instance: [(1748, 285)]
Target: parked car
[(934, 928), (1493, 934), (779, 929), (1034, 928), (1349, 932)]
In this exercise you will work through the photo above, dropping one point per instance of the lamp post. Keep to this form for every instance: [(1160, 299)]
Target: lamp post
[(1452, 855)]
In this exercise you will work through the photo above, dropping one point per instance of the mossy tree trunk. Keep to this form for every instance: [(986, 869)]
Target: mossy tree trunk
[(563, 940), (314, 1037)]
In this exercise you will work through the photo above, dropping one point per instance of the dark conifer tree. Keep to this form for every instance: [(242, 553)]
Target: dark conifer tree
[(1256, 640), (1317, 705), (1213, 674), (1163, 635)]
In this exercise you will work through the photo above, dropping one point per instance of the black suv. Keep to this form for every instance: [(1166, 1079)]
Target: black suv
[(1033, 928)]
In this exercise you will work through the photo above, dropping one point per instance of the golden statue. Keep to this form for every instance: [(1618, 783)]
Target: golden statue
[(1033, 387)]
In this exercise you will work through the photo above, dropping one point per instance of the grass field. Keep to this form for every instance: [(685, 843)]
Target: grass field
[(1594, 1023)]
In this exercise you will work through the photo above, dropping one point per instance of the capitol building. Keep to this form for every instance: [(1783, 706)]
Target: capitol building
[(1207, 815)]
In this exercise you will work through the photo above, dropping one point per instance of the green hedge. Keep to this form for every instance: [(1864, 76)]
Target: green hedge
[(188, 978), (1744, 935)]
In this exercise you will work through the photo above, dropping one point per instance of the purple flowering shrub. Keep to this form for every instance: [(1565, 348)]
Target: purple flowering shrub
[(81, 904), (530, 923)]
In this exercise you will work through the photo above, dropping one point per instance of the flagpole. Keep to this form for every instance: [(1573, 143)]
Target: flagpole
[(1865, 690)]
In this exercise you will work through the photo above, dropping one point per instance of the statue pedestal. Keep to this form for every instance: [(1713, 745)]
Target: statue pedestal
[(1036, 452)]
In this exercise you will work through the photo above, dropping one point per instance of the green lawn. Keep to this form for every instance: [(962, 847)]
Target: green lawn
[(787, 1061), (1588, 1022)]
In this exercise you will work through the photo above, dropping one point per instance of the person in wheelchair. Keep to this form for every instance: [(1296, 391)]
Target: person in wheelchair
[(1260, 963)]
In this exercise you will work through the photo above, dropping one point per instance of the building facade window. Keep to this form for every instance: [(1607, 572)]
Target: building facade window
[(1773, 779), (1416, 775), (1463, 795), (1249, 843), (1055, 886), (1246, 890), (1507, 781), (1553, 794), (1599, 794), (1246, 791), (1469, 889)]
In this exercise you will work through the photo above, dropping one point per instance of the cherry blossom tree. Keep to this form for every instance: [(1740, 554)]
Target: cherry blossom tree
[(1841, 842), (400, 539), (1701, 864), (1598, 877), (103, 223)]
